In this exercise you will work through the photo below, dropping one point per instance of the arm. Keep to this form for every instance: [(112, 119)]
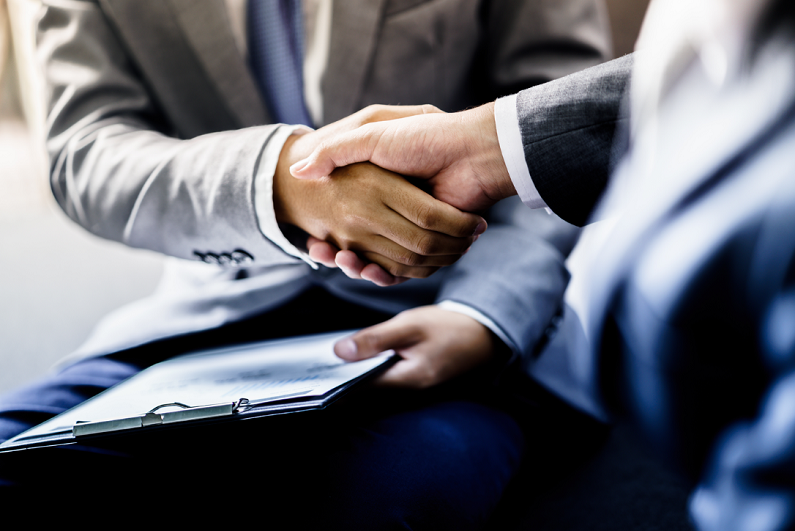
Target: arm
[(566, 123), (514, 278), (567, 129), (522, 44), (118, 169)]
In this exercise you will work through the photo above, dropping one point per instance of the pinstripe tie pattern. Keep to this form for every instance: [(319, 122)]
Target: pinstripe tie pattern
[(275, 29)]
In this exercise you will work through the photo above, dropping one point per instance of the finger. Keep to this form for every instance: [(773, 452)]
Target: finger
[(381, 113), (400, 270), (341, 150), (376, 274), (402, 241), (357, 145), (431, 214), (407, 373), (393, 334), (354, 267), (400, 255), (322, 252), (350, 264)]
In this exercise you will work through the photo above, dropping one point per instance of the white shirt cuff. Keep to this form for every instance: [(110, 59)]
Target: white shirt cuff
[(263, 192), (510, 138), (479, 317)]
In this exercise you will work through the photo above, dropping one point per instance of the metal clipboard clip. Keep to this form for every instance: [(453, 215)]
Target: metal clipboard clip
[(153, 418)]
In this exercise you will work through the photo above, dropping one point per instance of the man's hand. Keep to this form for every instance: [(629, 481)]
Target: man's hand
[(350, 263), (459, 154), (435, 344), (371, 212)]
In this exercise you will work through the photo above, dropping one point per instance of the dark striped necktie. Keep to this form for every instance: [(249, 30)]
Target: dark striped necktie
[(275, 29)]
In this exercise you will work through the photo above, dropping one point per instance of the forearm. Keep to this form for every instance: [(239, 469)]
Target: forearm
[(567, 128), (117, 168), (178, 197)]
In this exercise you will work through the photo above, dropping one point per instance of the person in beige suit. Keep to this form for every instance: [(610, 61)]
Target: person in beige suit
[(163, 135)]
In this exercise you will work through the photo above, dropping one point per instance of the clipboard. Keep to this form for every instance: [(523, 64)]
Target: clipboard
[(219, 385)]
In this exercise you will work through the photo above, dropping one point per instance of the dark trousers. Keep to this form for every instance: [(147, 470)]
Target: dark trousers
[(439, 459)]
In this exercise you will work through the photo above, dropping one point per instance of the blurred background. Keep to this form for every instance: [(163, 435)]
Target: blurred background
[(56, 280)]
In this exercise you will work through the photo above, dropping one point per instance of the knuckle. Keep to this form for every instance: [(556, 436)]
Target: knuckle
[(348, 217), (425, 244), (408, 258), (462, 228), (397, 270), (371, 341), (427, 216), (373, 113)]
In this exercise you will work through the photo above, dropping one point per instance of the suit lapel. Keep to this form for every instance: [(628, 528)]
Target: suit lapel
[(355, 27), (206, 27)]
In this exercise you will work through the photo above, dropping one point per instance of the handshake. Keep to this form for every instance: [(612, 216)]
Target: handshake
[(343, 185)]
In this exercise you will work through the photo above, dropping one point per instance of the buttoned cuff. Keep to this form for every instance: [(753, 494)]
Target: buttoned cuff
[(479, 317), (510, 138), (263, 192)]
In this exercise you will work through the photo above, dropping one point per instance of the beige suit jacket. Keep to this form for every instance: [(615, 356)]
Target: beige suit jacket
[(159, 139), (157, 130)]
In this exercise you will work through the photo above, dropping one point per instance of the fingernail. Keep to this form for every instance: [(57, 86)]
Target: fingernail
[(298, 166), (480, 229), (347, 349), (475, 238)]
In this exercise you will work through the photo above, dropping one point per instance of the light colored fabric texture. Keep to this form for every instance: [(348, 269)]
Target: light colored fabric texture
[(172, 163)]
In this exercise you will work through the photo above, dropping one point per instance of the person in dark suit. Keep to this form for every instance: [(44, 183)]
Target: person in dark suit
[(690, 288), (166, 132)]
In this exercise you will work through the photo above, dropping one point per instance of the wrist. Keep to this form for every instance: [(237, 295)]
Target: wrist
[(285, 185), (486, 155)]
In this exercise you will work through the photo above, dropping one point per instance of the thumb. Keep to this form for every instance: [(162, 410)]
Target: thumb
[(393, 334), (344, 149)]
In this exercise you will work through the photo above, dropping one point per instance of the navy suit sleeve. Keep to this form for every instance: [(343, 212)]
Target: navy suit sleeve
[(515, 273)]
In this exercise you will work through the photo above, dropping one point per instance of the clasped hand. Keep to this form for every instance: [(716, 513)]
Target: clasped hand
[(390, 229), (376, 225), (458, 155)]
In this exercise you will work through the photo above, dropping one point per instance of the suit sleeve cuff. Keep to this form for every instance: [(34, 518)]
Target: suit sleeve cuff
[(510, 137), (479, 317), (263, 192)]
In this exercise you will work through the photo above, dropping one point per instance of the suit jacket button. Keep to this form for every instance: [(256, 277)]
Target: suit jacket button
[(241, 257)]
